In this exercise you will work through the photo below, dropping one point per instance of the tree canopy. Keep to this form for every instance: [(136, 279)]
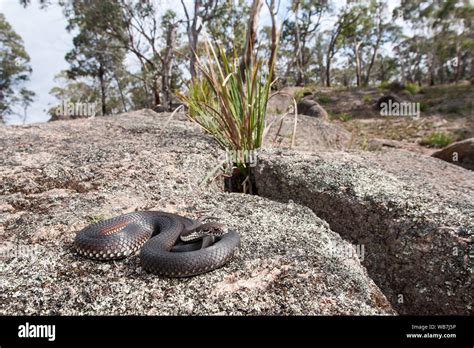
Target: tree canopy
[(320, 42), (15, 70)]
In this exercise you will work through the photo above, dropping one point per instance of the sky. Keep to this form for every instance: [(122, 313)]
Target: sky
[(47, 42)]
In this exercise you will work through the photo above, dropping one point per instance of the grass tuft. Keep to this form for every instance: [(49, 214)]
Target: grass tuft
[(230, 102), (367, 99), (412, 88), (324, 99), (344, 117), (437, 139)]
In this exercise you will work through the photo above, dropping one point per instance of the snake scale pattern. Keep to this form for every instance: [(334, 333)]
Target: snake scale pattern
[(165, 242)]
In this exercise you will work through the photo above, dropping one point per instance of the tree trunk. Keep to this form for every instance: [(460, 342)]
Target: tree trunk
[(122, 96), (372, 59), (330, 53), (204, 11), (458, 62), (341, 23), (274, 43), (432, 70), (382, 71), (167, 66), (472, 71), (101, 76), (328, 70), (25, 114), (193, 37), (251, 40), (320, 60), (156, 91), (298, 50), (357, 59), (193, 59), (375, 46)]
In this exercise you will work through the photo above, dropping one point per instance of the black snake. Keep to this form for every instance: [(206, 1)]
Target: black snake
[(171, 245)]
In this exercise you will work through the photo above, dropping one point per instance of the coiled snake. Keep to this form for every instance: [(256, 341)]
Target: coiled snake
[(171, 245)]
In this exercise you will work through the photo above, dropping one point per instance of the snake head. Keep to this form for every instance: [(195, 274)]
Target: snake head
[(214, 229)]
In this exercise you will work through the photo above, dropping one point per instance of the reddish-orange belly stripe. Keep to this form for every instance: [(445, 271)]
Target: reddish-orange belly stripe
[(108, 230)]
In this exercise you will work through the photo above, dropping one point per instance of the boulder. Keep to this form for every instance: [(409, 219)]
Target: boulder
[(310, 107), (377, 144), (413, 214), (61, 176), (396, 86), (282, 100), (312, 134), (386, 99), (460, 153)]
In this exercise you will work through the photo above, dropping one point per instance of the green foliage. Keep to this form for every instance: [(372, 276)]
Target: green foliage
[(324, 99), (348, 38), (14, 70), (200, 92), (331, 115), (230, 103), (365, 145), (367, 98), (344, 117), (423, 106), (300, 93), (96, 218), (442, 32), (384, 85), (437, 139), (72, 91), (412, 88), (96, 54), (229, 21), (297, 33)]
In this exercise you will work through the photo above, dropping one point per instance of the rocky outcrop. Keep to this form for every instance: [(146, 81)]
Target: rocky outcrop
[(412, 213), (59, 177), (377, 144), (308, 106), (460, 153), (312, 134)]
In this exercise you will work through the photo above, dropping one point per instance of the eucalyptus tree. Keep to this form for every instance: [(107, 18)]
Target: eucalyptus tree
[(202, 12), (365, 37), (445, 27), (15, 70), (169, 24), (151, 38), (382, 30), (345, 20), (456, 20), (298, 31), (71, 91), (229, 25), (95, 54)]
